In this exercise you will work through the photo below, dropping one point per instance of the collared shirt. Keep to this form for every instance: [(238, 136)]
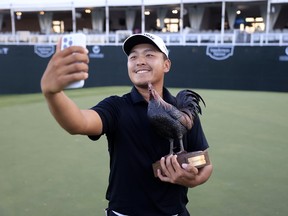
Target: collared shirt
[(134, 146)]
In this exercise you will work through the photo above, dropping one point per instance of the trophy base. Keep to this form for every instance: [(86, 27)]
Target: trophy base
[(197, 159)]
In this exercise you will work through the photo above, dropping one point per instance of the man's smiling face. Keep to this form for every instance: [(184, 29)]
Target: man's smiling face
[(147, 64)]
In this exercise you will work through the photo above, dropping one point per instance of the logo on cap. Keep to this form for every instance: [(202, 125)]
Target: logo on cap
[(149, 35)]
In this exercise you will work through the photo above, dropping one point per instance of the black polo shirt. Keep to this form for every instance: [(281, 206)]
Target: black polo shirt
[(133, 147)]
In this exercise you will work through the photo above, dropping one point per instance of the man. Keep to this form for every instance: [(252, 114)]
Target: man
[(133, 144)]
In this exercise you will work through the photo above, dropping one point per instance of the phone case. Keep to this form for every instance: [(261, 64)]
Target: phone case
[(76, 39)]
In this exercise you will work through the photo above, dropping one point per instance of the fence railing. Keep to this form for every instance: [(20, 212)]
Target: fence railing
[(236, 38)]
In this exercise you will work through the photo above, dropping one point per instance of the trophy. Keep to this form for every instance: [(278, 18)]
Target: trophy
[(173, 121)]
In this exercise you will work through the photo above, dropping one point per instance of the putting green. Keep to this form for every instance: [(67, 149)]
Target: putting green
[(45, 171)]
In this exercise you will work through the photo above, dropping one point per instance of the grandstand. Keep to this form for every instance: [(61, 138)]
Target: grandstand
[(214, 44), (178, 22)]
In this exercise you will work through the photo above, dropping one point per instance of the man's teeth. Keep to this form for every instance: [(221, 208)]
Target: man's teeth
[(142, 71)]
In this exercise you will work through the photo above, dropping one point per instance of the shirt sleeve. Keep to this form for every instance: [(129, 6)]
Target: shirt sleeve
[(108, 110)]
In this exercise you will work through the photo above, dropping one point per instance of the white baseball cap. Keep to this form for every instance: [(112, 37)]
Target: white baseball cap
[(136, 39)]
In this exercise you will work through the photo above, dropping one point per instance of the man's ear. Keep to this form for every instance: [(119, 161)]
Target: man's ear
[(167, 65)]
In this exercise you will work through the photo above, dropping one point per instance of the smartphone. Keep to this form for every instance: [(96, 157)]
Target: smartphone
[(74, 39)]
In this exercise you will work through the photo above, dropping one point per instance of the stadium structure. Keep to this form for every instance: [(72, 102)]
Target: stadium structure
[(226, 44), (181, 22)]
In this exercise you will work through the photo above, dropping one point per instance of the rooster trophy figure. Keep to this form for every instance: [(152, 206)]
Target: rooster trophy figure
[(172, 122)]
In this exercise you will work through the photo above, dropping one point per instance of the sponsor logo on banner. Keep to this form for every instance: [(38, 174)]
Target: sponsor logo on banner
[(284, 57), (96, 52), (4, 50), (219, 52), (44, 51)]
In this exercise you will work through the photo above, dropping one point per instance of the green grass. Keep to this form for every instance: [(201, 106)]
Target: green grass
[(45, 171)]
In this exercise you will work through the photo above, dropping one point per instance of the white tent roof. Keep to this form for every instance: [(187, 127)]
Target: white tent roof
[(28, 5), (279, 1)]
